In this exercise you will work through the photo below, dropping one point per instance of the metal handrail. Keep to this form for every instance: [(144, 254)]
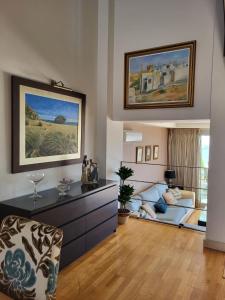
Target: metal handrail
[(180, 225), (172, 205), (143, 181), (162, 165), (156, 182)]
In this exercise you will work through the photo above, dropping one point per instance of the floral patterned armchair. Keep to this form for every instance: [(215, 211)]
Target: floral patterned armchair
[(29, 259)]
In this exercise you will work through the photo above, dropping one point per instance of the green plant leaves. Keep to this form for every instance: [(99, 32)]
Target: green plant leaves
[(125, 172)]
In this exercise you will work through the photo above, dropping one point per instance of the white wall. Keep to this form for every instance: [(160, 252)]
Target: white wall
[(109, 134), (102, 86), (154, 171), (43, 40), (216, 204), (60, 40), (114, 148), (145, 24)]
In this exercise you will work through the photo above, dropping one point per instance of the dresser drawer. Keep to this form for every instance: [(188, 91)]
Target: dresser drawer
[(72, 251), (62, 214), (72, 230), (99, 233), (70, 211), (97, 200), (100, 215)]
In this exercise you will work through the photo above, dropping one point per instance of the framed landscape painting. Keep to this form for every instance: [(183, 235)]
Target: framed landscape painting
[(161, 77), (48, 125)]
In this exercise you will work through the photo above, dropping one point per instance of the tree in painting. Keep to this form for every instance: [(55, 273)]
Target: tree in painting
[(51, 126)]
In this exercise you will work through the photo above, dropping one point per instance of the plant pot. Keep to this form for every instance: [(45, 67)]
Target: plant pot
[(123, 215)]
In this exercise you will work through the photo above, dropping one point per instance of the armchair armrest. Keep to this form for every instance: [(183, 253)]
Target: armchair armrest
[(188, 195)]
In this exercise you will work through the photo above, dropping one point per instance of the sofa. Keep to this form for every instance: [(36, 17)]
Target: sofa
[(175, 214)]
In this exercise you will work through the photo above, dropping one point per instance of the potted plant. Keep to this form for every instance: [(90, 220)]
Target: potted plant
[(125, 193)]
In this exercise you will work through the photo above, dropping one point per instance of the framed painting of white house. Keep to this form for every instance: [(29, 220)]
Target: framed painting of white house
[(161, 77)]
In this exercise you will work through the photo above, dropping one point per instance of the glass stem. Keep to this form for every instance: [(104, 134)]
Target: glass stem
[(35, 189)]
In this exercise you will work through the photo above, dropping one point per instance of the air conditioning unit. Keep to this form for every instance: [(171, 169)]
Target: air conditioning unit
[(132, 136)]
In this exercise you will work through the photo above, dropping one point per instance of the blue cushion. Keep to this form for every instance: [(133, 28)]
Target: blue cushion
[(134, 204), (161, 206), (151, 194), (161, 187)]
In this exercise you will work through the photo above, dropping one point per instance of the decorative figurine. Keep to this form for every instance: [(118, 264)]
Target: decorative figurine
[(89, 171), (94, 171)]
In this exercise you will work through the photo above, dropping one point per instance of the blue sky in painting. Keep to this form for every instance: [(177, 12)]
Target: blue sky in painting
[(48, 108), (179, 56)]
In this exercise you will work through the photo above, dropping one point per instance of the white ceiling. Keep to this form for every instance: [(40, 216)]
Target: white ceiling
[(177, 123)]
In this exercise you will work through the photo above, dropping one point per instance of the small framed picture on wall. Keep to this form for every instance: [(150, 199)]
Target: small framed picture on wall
[(139, 154), (156, 152), (148, 153)]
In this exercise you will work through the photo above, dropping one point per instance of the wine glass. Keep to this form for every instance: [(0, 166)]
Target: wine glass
[(35, 179)]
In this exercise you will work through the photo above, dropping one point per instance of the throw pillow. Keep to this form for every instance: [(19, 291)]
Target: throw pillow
[(161, 206), (176, 193), (151, 194), (146, 207), (169, 198), (134, 204)]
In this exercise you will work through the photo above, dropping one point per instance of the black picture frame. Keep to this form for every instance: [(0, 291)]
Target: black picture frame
[(16, 84)]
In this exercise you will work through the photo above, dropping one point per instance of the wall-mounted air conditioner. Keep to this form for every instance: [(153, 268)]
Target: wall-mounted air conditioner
[(132, 136)]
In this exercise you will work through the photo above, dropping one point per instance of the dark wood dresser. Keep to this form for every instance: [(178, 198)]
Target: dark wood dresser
[(87, 215)]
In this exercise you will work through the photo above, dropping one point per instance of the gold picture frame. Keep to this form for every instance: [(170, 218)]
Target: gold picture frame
[(148, 153), (139, 154), (156, 152), (161, 77)]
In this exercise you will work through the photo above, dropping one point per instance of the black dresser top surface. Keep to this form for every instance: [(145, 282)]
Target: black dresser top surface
[(50, 198)]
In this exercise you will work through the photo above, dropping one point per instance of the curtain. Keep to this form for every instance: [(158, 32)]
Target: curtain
[(184, 150)]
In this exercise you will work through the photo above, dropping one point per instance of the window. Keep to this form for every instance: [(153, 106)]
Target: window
[(205, 141)]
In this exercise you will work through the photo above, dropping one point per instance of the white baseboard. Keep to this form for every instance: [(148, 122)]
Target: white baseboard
[(219, 246)]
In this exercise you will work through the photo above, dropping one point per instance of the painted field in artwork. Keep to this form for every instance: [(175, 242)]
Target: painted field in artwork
[(51, 126), (160, 77)]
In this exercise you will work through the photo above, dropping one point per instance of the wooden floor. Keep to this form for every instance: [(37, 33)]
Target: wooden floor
[(145, 260)]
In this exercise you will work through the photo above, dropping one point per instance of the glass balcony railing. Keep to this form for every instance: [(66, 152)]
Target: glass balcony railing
[(176, 214), (186, 212)]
